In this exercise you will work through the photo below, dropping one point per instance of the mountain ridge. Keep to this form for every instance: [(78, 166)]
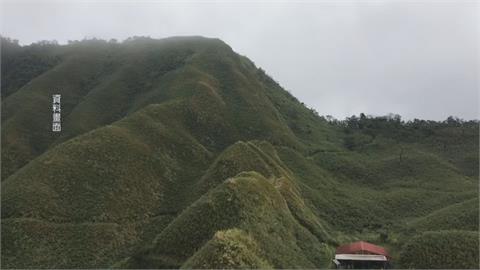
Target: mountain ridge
[(162, 138)]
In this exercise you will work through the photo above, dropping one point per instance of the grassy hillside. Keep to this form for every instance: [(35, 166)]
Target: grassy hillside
[(459, 216), (228, 249), (180, 153), (247, 201), (442, 249)]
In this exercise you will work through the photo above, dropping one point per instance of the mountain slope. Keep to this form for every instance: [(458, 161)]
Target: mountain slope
[(181, 153)]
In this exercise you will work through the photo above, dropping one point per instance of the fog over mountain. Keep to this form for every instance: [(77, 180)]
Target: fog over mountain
[(181, 153), (417, 59), (181, 135)]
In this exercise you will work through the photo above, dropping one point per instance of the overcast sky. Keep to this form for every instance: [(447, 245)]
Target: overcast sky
[(415, 58)]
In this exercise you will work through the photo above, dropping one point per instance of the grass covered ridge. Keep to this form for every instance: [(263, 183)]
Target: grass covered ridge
[(180, 153), (442, 249)]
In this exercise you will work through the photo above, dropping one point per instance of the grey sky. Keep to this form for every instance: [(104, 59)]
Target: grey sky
[(415, 58)]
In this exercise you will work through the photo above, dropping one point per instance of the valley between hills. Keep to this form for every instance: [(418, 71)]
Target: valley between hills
[(181, 153)]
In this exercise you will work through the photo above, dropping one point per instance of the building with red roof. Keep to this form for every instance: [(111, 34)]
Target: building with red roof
[(361, 255)]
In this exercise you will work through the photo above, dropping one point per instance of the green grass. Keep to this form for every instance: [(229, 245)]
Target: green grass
[(232, 249), (249, 202), (459, 216), (442, 249), (30, 243), (181, 153)]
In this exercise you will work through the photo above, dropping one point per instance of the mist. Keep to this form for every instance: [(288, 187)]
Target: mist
[(416, 59)]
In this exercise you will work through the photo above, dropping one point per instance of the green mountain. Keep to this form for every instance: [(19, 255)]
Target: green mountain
[(180, 153)]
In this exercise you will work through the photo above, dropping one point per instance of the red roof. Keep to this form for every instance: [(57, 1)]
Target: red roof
[(361, 247)]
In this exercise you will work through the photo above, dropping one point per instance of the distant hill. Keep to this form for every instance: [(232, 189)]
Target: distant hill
[(181, 153)]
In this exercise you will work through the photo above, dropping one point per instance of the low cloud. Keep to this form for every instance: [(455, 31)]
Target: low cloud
[(417, 59)]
